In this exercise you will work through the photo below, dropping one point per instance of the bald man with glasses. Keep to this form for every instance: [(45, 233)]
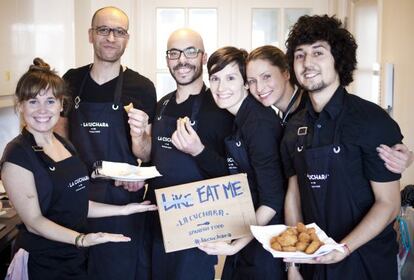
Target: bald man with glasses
[(188, 132)]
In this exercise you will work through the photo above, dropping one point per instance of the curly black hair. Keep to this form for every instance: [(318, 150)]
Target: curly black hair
[(309, 29)]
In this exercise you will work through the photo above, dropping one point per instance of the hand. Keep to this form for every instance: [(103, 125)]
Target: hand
[(294, 274), (332, 257), (397, 158), (132, 208), (92, 239), (130, 186), (138, 122), (218, 248), (186, 139)]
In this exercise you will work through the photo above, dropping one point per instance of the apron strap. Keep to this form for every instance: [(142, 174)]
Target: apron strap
[(118, 88), (303, 131), (82, 86), (292, 101), (196, 105), (47, 161)]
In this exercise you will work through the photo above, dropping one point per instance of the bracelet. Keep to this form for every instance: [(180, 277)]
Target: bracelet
[(347, 249), (83, 239), (291, 264), (80, 235)]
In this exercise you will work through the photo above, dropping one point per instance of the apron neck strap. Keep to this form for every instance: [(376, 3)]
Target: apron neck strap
[(303, 131), (47, 161), (292, 101), (118, 86), (196, 105)]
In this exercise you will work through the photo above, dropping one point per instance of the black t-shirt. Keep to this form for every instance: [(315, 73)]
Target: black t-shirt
[(136, 89), (214, 125), (364, 127), (261, 132)]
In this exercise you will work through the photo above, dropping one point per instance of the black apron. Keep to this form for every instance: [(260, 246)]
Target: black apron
[(177, 168), (98, 132), (336, 205), (252, 262), (67, 206)]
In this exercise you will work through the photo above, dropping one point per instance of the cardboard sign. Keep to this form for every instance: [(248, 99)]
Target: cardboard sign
[(211, 210)]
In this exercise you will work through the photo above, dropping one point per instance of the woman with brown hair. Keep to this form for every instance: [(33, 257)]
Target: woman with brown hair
[(48, 184)]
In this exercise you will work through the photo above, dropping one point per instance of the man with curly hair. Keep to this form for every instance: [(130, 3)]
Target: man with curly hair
[(336, 178)]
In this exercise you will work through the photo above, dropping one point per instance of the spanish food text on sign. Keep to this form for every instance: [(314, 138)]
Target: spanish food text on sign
[(211, 210)]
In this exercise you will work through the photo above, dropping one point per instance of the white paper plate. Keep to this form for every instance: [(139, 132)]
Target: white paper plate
[(125, 172), (264, 233)]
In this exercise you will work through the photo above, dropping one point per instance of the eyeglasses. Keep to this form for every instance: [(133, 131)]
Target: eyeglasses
[(105, 31), (189, 52)]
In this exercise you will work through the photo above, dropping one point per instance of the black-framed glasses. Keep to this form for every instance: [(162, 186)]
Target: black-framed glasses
[(105, 31), (190, 52)]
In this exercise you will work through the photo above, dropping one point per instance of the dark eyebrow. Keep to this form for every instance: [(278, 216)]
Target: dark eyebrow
[(298, 49), (318, 46)]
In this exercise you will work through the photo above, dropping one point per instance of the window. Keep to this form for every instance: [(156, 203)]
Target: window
[(170, 19), (270, 26)]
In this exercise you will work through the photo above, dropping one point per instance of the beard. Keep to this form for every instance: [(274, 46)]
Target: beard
[(198, 72), (316, 87)]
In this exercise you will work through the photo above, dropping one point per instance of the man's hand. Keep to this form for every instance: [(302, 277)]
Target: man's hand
[(144, 206), (130, 186), (218, 248), (186, 139), (397, 158), (138, 122)]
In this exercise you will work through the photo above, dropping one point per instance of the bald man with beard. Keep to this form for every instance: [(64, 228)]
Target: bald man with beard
[(171, 146)]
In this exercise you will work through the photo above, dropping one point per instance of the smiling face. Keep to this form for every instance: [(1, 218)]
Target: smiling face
[(228, 89), (41, 113), (314, 67), (108, 48), (267, 83), (186, 70)]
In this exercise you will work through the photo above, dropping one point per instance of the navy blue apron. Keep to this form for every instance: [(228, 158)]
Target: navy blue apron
[(337, 204), (252, 262), (67, 206), (177, 168), (98, 132)]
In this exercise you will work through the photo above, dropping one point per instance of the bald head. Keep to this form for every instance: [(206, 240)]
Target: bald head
[(184, 38), (110, 11)]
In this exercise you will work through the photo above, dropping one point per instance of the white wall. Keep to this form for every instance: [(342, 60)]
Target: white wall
[(29, 29), (397, 43), (9, 126)]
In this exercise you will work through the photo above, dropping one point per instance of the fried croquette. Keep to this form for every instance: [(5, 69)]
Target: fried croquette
[(287, 239), (313, 247), (304, 237), (301, 227), (289, 249), (129, 107), (301, 246), (299, 238), (276, 246)]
